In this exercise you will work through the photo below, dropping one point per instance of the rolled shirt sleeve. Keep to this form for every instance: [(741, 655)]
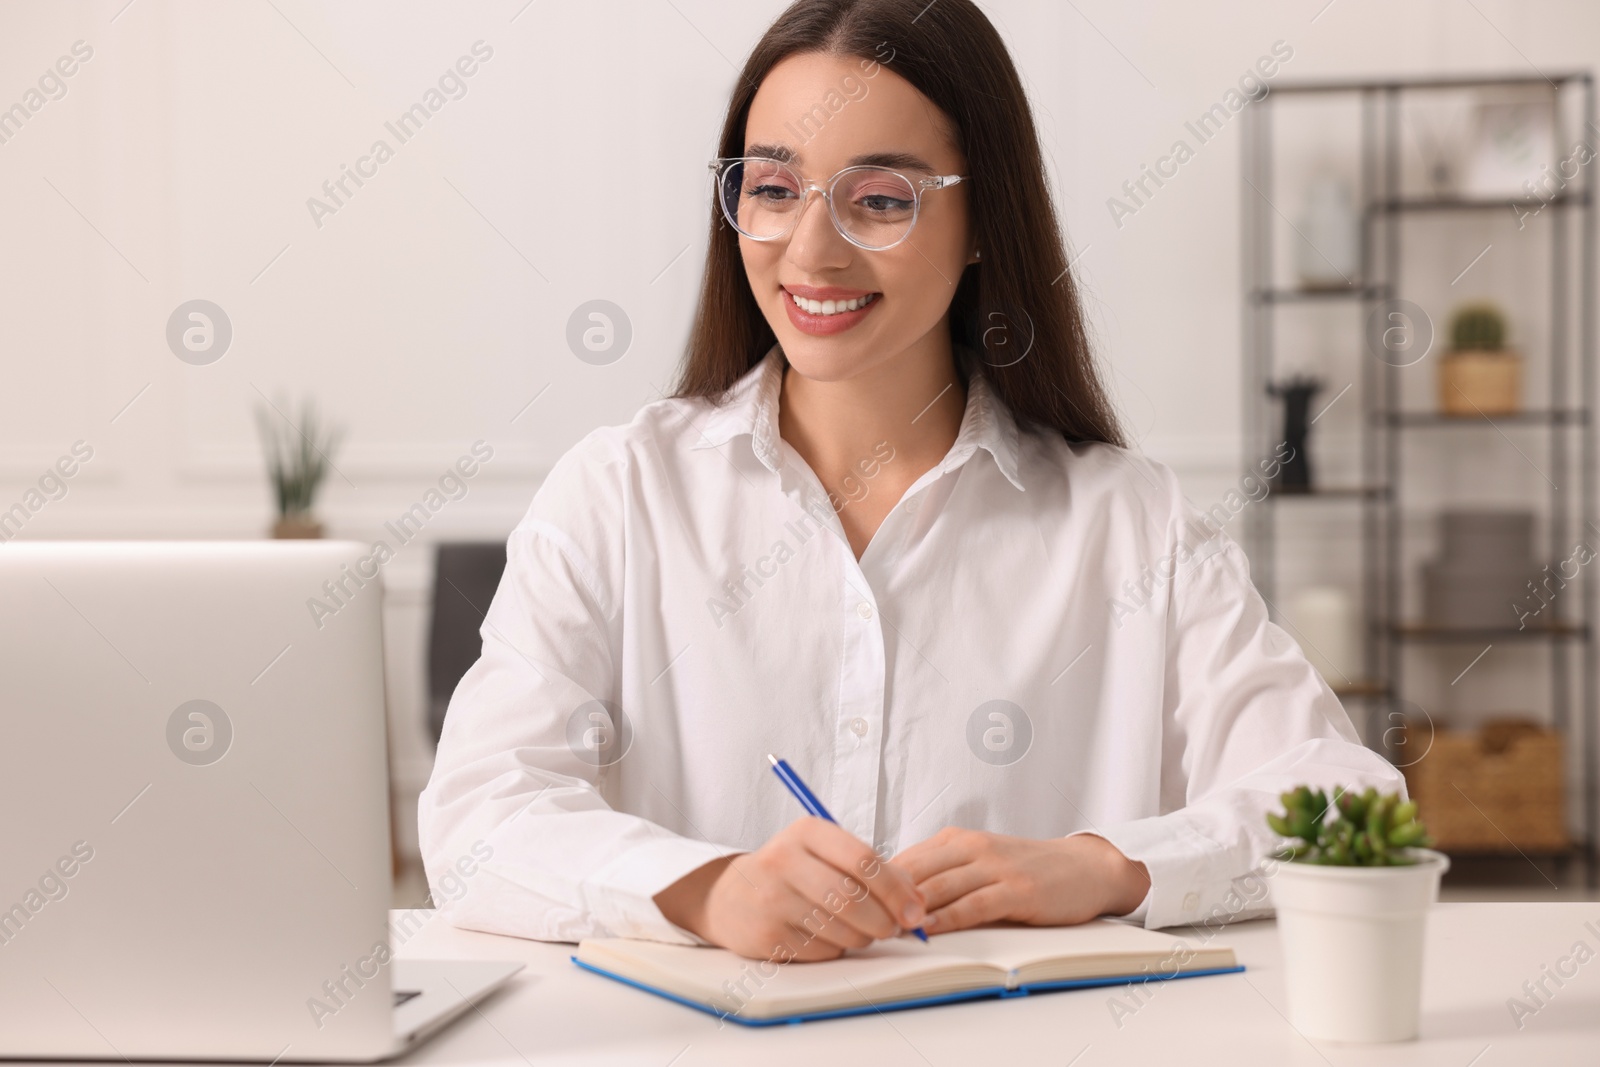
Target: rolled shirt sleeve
[(1245, 717), (513, 787)]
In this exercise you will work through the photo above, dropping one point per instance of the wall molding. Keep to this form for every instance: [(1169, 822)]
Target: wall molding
[(392, 462)]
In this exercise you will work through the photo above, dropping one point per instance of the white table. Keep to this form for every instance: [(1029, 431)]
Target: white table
[(1479, 955)]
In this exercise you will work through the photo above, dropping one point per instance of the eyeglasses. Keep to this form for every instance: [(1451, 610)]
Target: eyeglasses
[(872, 207)]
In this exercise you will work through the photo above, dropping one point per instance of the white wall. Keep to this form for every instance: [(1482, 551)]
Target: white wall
[(431, 308)]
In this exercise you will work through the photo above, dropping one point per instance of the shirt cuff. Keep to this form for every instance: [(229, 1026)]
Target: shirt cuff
[(620, 894), (1137, 914), (1181, 863)]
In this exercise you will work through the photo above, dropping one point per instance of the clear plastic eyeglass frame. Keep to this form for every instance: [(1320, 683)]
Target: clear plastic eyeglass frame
[(918, 186)]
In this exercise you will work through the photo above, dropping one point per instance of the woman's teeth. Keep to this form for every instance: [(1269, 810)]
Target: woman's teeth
[(831, 307)]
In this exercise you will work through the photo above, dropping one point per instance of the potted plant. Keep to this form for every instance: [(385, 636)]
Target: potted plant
[(1352, 900), (298, 459), (1479, 375)]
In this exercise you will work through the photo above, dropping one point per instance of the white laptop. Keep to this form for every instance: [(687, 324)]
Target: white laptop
[(194, 787)]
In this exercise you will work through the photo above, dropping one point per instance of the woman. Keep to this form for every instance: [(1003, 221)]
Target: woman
[(886, 528)]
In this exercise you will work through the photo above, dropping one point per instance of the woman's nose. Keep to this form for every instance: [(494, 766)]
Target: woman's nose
[(815, 241)]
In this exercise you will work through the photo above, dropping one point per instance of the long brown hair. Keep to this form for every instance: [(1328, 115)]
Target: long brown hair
[(1020, 297)]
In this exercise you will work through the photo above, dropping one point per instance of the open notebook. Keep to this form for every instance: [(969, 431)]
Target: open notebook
[(990, 961)]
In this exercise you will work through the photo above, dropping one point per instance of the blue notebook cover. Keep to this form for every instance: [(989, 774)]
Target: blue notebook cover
[(987, 993)]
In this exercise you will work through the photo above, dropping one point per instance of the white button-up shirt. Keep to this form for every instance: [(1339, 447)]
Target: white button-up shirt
[(1041, 639)]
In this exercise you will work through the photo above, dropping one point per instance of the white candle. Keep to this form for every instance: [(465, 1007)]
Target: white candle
[(1324, 622)]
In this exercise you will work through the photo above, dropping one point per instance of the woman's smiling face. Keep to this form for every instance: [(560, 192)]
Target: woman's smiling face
[(908, 288)]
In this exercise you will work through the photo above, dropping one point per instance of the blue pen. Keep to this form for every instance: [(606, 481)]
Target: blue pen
[(809, 801)]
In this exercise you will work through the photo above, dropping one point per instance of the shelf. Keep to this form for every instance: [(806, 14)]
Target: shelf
[(1417, 631), (1433, 82), (1574, 850), (1409, 204), (1532, 417), (1304, 295), (1360, 689), (1397, 461), (1332, 492)]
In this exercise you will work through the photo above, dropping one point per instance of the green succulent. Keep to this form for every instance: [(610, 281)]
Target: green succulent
[(297, 456), (1365, 830), (1479, 327)]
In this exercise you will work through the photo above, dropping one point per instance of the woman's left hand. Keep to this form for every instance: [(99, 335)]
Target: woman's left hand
[(970, 877)]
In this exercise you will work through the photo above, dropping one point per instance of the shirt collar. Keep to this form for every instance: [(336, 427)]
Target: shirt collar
[(752, 408)]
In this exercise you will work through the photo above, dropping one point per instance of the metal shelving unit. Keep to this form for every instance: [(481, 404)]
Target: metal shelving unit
[(1566, 421)]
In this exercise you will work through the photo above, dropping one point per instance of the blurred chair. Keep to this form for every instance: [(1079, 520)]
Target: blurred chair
[(465, 577)]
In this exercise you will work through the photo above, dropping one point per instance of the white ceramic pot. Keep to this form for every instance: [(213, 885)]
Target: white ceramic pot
[(1352, 945)]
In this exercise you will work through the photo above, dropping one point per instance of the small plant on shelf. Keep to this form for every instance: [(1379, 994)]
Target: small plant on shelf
[(1479, 375), (1478, 328)]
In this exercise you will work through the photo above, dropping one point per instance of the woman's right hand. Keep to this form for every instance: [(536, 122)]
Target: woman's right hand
[(812, 891)]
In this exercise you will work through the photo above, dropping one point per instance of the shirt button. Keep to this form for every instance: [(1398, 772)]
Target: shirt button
[(864, 610), (858, 725), (1191, 901)]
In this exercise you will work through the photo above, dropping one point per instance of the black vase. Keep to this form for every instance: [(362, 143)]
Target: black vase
[(1294, 475)]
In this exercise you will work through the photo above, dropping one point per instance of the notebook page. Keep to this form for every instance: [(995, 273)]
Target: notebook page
[(1011, 947), (890, 968)]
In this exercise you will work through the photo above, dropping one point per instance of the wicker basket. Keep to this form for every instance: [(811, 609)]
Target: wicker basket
[(1494, 790), (1475, 382)]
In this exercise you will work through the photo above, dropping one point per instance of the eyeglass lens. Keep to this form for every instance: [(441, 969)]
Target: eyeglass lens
[(872, 206)]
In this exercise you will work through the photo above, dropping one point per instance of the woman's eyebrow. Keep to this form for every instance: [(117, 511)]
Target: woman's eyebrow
[(896, 160)]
